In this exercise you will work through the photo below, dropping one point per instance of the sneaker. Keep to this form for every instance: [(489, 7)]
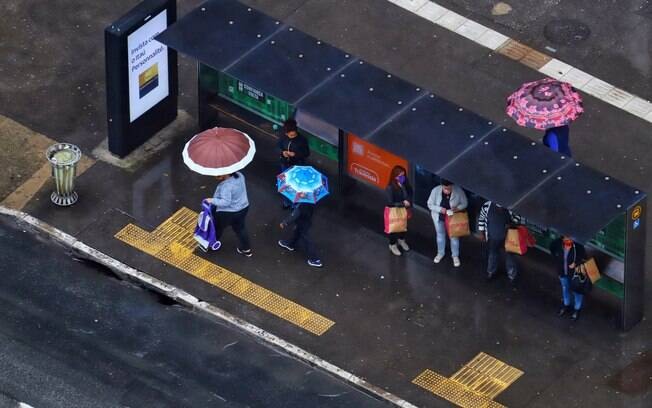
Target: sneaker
[(403, 245), (245, 252), (563, 310), (394, 249), (284, 244), (456, 261), (490, 276), (315, 262), (575, 315), (438, 258)]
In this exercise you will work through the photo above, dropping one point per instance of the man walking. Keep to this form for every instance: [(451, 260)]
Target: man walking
[(493, 223), (301, 216), (230, 206)]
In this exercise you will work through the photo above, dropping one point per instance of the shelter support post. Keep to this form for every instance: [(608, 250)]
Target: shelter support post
[(634, 286)]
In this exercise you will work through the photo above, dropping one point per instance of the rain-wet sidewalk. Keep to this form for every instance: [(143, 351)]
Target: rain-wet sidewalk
[(387, 319)]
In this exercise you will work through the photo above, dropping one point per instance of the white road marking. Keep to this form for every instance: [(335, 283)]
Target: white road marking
[(554, 68)]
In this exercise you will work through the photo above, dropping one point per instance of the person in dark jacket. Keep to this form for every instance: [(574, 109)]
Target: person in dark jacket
[(557, 139), (399, 194), (301, 216), (568, 255), (294, 149), (493, 223)]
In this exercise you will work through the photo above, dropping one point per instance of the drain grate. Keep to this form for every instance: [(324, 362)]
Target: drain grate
[(566, 31)]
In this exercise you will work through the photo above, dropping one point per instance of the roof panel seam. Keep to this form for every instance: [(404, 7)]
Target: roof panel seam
[(407, 106), (326, 80), (469, 147), (539, 184), (255, 47)]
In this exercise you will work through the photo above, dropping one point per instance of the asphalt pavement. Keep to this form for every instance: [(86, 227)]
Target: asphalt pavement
[(72, 335), (394, 317)]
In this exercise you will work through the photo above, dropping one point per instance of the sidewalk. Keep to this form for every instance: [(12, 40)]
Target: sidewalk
[(394, 317)]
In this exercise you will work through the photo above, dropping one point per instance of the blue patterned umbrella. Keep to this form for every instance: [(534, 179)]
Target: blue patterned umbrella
[(302, 184)]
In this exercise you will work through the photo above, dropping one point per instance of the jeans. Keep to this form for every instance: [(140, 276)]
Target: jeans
[(566, 293), (440, 229), (395, 236), (495, 246), (300, 236), (236, 220)]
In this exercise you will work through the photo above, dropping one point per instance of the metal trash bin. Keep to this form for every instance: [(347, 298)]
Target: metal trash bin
[(64, 158)]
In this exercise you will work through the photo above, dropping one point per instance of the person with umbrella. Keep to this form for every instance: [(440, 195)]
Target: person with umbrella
[(221, 152), (303, 186), (548, 105)]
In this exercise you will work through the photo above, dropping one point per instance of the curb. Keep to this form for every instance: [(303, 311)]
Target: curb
[(187, 299)]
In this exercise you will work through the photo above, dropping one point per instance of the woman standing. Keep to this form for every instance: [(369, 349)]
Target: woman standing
[(444, 200), (399, 194), (569, 255)]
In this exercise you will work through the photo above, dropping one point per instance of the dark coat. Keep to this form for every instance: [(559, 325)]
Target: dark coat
[(576, 255), (301, 215), (396, 195), (297, 145), (557, 139)]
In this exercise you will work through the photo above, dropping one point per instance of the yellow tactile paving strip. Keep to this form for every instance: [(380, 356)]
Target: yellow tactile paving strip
[(173, 243), (487, 375), (453, 391), (474, 385), (526, 55)]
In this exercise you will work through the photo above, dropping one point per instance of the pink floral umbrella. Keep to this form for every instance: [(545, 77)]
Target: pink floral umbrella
[(545, 104), (219, 151)]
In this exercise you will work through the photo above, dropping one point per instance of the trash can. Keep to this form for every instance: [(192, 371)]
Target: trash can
[(64, 158)]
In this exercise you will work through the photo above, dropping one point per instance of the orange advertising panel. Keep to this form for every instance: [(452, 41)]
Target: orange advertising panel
[(370, 163)]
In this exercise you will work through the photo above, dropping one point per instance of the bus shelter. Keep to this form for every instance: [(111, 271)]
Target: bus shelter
[(368, 120)]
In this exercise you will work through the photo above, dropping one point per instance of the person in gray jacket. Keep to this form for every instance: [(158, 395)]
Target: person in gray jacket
[(229, 206), (444, 200)]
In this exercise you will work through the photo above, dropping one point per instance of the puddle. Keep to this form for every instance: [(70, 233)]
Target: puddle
[(636, 378)]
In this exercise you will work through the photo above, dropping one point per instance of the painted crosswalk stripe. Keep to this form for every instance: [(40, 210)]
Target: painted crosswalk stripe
[(528, 56)]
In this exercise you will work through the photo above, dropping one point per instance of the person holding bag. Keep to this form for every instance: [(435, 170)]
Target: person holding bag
[(399, 195), (569, 256), (493, 222), (445, 200)]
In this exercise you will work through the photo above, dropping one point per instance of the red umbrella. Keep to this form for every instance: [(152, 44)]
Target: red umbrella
[(545, 104), (218, 151)]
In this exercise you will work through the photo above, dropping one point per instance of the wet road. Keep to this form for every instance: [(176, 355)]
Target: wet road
[(72, 337)]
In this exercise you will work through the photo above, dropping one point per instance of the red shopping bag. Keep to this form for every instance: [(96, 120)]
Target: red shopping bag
[(518, 240), (395, 219)]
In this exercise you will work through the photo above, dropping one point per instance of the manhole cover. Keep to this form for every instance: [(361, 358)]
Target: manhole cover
[(566, 31)]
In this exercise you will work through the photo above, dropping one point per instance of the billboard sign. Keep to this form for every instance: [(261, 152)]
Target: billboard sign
[(141, 75), (370, 163), (148, 66)]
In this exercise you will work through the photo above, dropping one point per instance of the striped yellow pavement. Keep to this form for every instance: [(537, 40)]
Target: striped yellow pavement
[(475, 385), (172, 242)]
